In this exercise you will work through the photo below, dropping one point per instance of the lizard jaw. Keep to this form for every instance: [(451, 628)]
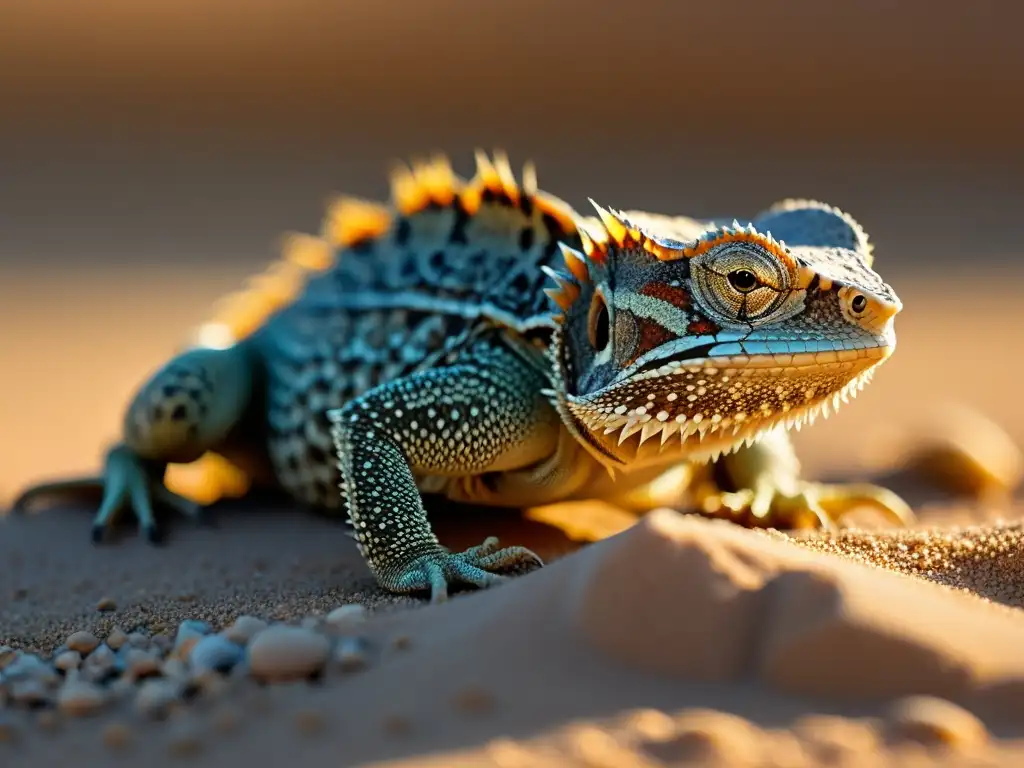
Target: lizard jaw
[(700, 409)]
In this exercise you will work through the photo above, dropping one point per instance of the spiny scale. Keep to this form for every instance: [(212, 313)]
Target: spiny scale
[(629, 424)]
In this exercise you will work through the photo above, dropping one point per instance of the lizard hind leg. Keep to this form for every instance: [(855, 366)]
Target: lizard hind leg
[(182, 411)]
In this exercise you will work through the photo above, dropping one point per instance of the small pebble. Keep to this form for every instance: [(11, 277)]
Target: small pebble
[(282, 653), (29, 666), (401, 642), (67, 660), (101, 663), (83, 642), (346, 616), (350, 654), (243, 629), (138, 639), (196, 626), (174, 668), (156, 697), (121, 688), (117, 736), (189, 633), (215, 652), (116, 638), (932, 721), (140, 664), (7, 655), (29, 692), (106, 604), (209, 682), (80, 698)]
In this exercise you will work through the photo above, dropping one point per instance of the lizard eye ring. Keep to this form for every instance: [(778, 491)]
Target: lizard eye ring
[(740, 283)]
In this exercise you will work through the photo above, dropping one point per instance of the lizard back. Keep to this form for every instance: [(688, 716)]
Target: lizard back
[(387, 290)]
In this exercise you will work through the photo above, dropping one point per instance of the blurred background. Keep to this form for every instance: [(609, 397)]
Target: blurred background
[(151, 155)]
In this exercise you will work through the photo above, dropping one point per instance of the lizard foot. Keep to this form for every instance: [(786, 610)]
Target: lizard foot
[(436, 571), (127, 480), (808, 505)]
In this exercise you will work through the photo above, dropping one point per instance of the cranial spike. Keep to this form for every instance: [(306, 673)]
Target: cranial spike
[(668, 429), (567, 290), (559, 298), (438, 179), (407, 194), (530, 186), (616, 228), (486, 171), (558, 277), (585, 239), (505, 174), (575, 261)]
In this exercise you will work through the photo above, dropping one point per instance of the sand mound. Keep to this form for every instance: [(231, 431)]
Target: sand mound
[(707, 600), (680, 639)]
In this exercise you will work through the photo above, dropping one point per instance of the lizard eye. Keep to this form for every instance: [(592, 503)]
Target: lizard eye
[(858, 304), (597, 324), (740, 283), (743, 280)]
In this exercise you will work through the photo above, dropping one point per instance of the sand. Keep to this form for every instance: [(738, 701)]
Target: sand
[(669, 641), (677, 639)]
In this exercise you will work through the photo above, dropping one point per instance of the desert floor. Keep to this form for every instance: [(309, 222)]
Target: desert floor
[(676, 639)]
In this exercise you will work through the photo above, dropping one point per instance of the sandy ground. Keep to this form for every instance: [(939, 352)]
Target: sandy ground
[(673, 640)]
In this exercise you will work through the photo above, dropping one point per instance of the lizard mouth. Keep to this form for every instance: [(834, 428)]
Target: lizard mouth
[(699, 408)]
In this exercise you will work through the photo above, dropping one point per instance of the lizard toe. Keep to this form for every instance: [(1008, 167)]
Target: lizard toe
[(438, 571)]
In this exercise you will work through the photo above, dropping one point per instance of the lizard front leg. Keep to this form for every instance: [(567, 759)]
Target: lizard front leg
[(470, 418), (184, 409), (761, 485)]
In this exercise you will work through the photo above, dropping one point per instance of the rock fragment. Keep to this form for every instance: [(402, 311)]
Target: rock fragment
[(215, 653), (283, 653), (83, 642), (80, 698)]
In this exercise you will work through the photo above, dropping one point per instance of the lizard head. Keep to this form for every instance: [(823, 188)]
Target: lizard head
[(678, 336)]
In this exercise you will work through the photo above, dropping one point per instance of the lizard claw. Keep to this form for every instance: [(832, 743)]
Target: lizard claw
[(437, 571), (127, 480), (809, 505)]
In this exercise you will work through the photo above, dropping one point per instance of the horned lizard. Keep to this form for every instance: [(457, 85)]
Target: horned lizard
[(482, 340)]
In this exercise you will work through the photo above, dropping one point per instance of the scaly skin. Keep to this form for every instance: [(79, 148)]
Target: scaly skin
[(419, 348)]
